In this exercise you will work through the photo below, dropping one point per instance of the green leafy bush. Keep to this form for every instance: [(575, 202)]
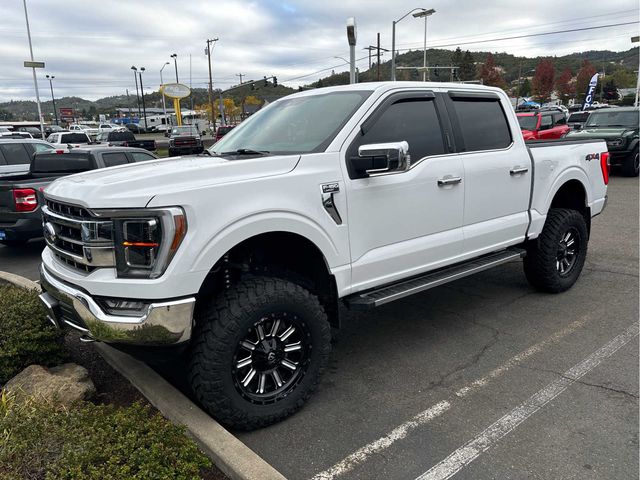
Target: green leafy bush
[(26, 336), (93, 442)]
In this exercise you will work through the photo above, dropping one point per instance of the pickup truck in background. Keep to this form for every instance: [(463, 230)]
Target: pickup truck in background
[(125, 138), (74, 139), (185, 140), (545, 125), (619, 128), (360, 194), (21, 195), (16, 153)]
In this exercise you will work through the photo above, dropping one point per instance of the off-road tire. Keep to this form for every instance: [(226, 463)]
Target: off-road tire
[(631, 165), (541, 262), (220, 327)]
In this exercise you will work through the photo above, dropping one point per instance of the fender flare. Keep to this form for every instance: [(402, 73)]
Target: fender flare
[(571, 173)]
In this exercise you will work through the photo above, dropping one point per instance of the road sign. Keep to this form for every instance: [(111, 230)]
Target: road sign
[(33, 64), (175, 90), (67, 114)]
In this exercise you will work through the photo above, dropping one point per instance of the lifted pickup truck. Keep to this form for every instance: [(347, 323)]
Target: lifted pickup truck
[(21, 195), (361, 194)]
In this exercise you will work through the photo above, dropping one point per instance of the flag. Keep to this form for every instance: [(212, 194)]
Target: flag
[(591, 90)]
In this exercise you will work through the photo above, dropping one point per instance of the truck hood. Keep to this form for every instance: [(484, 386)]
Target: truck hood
[(604, 133), (134, 185)]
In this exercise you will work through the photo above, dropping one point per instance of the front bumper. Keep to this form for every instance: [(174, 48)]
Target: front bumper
[(162, 323)]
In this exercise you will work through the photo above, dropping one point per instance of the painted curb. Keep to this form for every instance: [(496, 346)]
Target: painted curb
[(229, 454), (19, 281)]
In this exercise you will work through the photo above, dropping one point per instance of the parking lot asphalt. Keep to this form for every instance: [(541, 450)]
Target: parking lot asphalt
[(484, 378)]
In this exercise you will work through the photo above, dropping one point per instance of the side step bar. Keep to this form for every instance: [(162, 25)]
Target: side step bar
[(404, 288)]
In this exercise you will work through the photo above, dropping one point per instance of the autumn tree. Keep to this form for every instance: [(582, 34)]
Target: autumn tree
[(490, 73), (564, 85), (543, 80), (467, 70), (584, 76)]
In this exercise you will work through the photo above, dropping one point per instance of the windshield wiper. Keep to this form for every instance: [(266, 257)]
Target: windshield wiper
[(247, 151)]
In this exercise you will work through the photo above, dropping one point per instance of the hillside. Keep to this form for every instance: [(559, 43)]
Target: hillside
[(511, 65)]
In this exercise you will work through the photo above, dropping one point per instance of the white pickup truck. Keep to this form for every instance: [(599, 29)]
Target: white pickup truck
[(359, 194)]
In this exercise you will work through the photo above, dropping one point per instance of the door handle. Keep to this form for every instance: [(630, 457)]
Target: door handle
[(449, 180), (518, 170)]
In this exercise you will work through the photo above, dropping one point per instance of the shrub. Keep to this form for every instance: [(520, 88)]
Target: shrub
[(93, 442), (26, 336)]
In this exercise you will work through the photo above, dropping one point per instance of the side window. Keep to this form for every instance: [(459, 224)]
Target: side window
[(113, 159), (483, 123), (560, 119), (141, 157), (41, 147), (414, 121), (15, 154), (546, 122)]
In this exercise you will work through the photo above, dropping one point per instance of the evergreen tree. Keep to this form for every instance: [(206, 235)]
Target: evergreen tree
[(467, 70)]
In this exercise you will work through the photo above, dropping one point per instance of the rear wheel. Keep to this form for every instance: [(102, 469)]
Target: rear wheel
[(631, 166), (555, 259), (259, 349)]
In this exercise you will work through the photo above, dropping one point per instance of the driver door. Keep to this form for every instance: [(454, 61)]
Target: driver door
[(407, 222)]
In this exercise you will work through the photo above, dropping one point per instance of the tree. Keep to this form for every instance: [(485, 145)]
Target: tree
[(624, 78), (543, 80), (525, 88), (584, 76), (564, 85), (490, 73), (467, 70)]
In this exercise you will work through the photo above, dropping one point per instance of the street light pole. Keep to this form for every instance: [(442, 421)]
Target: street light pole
[(144, 109), (393, 40), (175, 63), (53, 99), (351, 38), (209, 48), (135, 77), (35, 79), (164, 106), (635, 103), (426, 14)]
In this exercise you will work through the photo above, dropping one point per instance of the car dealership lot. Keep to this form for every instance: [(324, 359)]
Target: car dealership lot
[(412, 382)]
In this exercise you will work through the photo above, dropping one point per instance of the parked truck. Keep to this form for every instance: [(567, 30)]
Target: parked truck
[(361, 195)]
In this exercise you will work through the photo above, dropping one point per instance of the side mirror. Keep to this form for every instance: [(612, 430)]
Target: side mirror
[(381, 158)]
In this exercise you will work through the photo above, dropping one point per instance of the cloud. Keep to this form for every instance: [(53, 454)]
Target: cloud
[(90, 46)]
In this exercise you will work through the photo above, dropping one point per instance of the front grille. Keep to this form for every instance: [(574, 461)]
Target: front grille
[(78, 239), (185, 142)]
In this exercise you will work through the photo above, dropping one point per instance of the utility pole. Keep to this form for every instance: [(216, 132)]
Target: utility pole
[(240, 75), (35, 79), (378, 49), (635, 103), (209, 48), (144, 109), (129, 103), (370, 47), (53, 99), (135, 77)]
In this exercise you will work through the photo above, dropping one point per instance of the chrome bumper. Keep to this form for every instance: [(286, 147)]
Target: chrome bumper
[(162, 323)]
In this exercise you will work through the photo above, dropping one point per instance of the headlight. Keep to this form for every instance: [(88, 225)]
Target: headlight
[(616, 142), (146, 240)]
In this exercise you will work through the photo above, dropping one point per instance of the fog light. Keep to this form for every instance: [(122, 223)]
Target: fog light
[(123, 307)]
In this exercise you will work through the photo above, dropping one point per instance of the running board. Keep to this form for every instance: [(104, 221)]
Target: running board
[(404, 288)]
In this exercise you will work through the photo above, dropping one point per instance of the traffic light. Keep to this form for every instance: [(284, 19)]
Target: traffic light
[(265, 81), (275, 82)]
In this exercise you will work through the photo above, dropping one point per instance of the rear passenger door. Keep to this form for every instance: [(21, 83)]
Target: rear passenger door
[(497, 176)]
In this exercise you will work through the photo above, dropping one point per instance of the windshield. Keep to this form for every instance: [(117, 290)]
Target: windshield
[(528, 122), (184, 130), (295, 125), (613, 119)]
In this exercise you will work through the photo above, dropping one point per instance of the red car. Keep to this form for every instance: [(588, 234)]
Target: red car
[(543, 125), (222, 130)]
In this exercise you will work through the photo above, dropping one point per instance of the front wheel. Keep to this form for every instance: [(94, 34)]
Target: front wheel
[(631, 166), (555, 259), (259, 349)]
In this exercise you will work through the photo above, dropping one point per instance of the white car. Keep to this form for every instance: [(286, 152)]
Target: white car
[(71, 139), (360, 194), (88, 129)]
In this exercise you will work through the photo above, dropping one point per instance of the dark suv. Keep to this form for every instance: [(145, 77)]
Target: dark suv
[(619, 128)]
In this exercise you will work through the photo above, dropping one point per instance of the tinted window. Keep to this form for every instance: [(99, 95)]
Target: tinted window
[(415, 122), (121, 136), (113, 159), (73, 138), (2, 160), (41, 147), (15, 153), (560, 119), (528, 122), (483, 124), (61, 163), (546, 122), (141, 157), (612, 118), (578, 117)]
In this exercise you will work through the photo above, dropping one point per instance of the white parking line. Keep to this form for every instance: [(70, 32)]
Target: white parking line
[(359, 456), (466, 454)]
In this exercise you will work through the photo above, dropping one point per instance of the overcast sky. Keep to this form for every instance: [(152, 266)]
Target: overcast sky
[(90, 45)]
